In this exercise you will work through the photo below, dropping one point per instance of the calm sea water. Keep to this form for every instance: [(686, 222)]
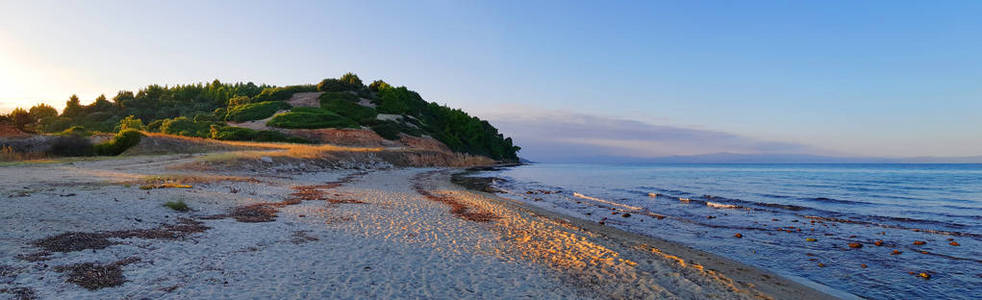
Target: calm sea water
[(792, 217)]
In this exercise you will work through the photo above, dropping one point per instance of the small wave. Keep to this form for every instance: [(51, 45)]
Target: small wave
[(582, 196), (720, 205)]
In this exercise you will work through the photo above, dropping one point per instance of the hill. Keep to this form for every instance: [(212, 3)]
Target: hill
[(335, 111)]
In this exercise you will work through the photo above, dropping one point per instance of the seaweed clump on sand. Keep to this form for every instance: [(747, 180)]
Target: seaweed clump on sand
[(94, 276), (78, 241)]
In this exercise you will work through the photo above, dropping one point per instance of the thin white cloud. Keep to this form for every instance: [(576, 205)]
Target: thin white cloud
[(548, 135)]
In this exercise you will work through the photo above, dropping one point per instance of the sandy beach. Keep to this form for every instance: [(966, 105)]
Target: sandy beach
[(98, 229)]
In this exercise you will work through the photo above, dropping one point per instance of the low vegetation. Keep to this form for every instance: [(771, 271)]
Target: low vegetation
[(311, 118), (178, 205), (122, 141), (255, 111), (227, 133), (346, 104)]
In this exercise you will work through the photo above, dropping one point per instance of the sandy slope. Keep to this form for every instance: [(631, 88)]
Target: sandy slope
[(376, 236)]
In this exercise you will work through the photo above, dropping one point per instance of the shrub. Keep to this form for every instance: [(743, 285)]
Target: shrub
[(155, 125), (390, 129), (400, 100), (342, 104), (240, 100), (229, 133), (255, 111), (75, 131), (122, 141), (347, 82), (72, 145), (378, 85), (184, 126), (179, 205), (352, 80), (130, 122), (282, 93), (310, 118)]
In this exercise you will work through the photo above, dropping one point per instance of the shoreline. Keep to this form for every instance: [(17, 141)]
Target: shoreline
[(749, 277), (390, 232)]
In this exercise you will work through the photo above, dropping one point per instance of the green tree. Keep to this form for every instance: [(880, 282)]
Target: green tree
[(73, 108), (43, 111), (22, 119)]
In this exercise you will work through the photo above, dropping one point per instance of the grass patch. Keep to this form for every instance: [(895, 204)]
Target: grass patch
[(178, 205), (255, 111), (311, 118)]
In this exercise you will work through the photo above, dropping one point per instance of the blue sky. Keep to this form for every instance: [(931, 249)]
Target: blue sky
[(876, 78)]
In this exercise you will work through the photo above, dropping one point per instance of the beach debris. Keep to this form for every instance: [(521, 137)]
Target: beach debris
[(77, 241), (811, 240), (626, 215), (862, 266), (67, 195), (653, 195), (686, 200), (659, 217), (24, 293), (821, 265), (954, 243), (739, 236), (924, 275), (878, 243), (164, 186), (603, 221), (919, 243), (94, 276), (896, 252), (710, 217), (855, 245)]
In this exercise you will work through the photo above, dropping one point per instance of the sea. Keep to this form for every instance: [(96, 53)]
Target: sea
[(880, 231)]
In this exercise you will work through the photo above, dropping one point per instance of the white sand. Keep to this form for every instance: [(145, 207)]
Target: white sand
[(398, 244)]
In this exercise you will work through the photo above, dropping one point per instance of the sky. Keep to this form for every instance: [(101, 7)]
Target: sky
[(636, 79)]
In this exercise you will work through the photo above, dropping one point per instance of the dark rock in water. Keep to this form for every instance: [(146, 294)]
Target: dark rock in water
[(482, 184), (626, 215)]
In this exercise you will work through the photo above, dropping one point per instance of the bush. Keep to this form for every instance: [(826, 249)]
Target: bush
[(352, 80), (122, 141), (229, 133), (255, 111), (240, 100), (184, 126), (72, 145), (310, 118), (344, 105), (75, 131), (400, 100), (390, 129), (179, 205), (155, 125), (282, 93), (130, 122), (378, 85), (347, 82)]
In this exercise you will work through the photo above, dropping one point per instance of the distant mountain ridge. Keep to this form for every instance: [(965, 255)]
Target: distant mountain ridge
[(726, 157)]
